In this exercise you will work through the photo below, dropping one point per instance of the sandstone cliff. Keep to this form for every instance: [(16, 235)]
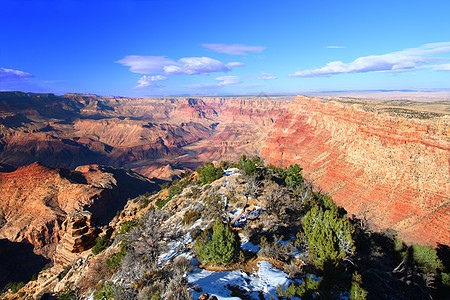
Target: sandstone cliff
[(392, 170), (35, 200)]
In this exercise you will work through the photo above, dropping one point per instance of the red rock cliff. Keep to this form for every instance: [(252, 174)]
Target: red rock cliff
[(35, 200), (393, 170)]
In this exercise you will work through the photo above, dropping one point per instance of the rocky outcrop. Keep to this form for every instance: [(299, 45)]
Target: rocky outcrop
[(35, 200), (392, 170), (79, 235)]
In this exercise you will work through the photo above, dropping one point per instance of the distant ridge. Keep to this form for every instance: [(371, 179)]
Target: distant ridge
[(262, 96)]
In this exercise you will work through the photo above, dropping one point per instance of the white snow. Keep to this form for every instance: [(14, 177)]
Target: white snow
[(235, 212), (265, 280), (231, 171), (247, 245), (174, 248)]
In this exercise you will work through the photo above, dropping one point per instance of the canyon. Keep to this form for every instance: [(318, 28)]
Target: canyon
[(386, 162), (36, 200)]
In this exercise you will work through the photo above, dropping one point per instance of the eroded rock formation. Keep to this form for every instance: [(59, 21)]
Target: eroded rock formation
[(35, 200), (390, 169), (80, 235)]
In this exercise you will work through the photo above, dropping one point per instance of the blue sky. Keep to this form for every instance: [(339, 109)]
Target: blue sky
[(158, 48)]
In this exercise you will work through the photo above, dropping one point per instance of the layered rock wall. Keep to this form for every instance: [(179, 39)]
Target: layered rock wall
[(35, 200), (392, 170)]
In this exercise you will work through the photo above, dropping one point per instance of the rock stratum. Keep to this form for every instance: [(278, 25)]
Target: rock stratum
[(386, 161), (35, 200), (390, 169)]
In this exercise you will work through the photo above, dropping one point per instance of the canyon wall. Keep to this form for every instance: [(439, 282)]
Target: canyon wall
[(390, 165), (35, 200), (392, 170)]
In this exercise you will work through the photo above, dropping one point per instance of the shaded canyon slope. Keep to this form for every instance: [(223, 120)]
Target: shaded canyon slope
[(35, 200), (387, 164)]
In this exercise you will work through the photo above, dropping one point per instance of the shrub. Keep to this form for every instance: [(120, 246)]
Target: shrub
[(127, 225), (194, 192), (181, 265), (177, 187), (113, 262), (14, 286), (426, 258), (190, 217), (293, 176), (292, 270), (290, 176), (219, 248), (275, 250), (64, 272), (102, 243), (250, 166), (177, 289), (67, 294), (357, 292), (208, 173), (160, 203), (309, 289), (106, 292), (329, 237), (151, 292)]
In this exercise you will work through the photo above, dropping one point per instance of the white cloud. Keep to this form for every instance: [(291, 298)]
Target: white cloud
[(266, 76), (223, 81), (145, 64), (235, 49), (401, 61), (149, 81), (13, 75), (335, 47), (195, 66), (184, 66), (443, 67), (228, 80), (235, 64)]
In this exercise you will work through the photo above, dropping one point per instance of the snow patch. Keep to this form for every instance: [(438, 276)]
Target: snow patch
[(264, 281), (247, 245)]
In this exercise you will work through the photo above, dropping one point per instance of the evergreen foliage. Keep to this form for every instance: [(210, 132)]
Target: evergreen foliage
[(14, 287), (250, 166), (113, 262), (208, 173), (177, 187), (128, 225), (102, 242), (219, 248), (309, 289), (329, 237), (106, 292), (357, 292), (291, 176)]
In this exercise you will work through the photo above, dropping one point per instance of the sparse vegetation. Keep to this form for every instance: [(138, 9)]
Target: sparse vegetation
[(221, 247), (114, 261), (101, 244), (128, 225), (190, 217), (68, 294), (297, 227), (208, 173), (64, 272), (14, 287), (329, 237)]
